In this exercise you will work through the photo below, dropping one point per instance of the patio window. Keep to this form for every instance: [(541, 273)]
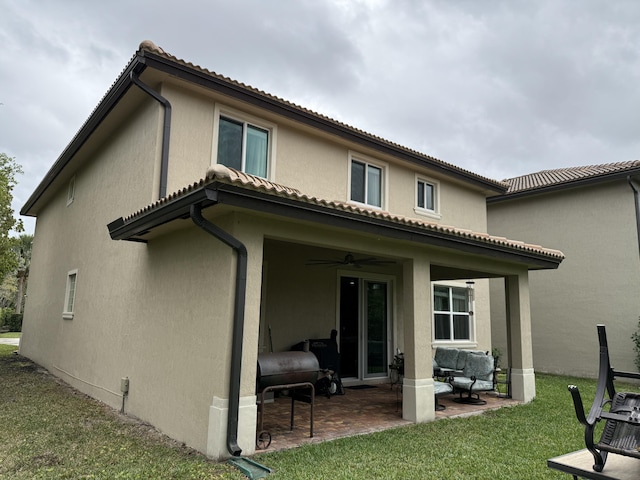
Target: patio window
[(243, 146), (452, 321), (367, 183), (70, 295)]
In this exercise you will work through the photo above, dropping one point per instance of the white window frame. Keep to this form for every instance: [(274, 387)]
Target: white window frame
[(70, 295), (71, 190), (435, 213), (384, 168), (471, 341), (246, 119)]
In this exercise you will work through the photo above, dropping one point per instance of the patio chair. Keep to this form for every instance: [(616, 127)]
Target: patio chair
[(478, 375), (441, 388), (620, 410)]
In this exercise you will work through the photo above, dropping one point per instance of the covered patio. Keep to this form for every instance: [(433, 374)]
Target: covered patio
[(377, 292), (359, 411)]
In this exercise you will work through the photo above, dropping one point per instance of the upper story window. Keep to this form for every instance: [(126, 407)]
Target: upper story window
[(71, 190), (367, 183), (427, 197), (243, 145), (452, 317), (70, 295)]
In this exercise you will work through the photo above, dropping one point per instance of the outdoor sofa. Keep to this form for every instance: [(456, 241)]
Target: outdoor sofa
[(467, 371)]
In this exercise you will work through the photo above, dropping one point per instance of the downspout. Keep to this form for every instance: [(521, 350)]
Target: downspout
[(164, 164), (238, 323), (637, 205)]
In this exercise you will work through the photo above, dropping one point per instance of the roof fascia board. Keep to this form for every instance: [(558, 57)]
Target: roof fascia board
[(584, 182), (110, 100), (122, 229), (220, 193), (313, 120)]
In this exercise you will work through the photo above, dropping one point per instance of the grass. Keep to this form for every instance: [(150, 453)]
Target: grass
[(47, 430), (513, 442), (10, 335)]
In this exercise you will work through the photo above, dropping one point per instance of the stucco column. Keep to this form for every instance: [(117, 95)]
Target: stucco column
[(523, 381), (418, 403), (247, 414)]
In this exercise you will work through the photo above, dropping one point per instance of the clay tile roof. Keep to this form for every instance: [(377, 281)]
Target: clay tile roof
[(222, 174), (568, 176), (149, 46)]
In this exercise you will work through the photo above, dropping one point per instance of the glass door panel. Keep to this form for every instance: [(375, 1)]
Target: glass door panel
[(376, 361)]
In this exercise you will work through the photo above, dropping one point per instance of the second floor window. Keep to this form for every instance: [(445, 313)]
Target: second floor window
[(243, 146), (426, 195), (71, 191), (366, 183)]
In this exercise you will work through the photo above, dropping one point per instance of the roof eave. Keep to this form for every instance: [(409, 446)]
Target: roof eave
[(583, 182), (135, 228)]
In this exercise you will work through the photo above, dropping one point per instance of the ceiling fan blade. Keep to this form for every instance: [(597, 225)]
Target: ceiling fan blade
[(317, 261)]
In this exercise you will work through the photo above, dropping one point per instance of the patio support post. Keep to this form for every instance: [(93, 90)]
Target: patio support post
[(418, 403), (523, 382)]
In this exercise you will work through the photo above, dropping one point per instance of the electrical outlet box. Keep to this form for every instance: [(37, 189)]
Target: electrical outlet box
[(124, 385)]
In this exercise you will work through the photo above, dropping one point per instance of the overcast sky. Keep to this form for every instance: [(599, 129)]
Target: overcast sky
[(499, 87)]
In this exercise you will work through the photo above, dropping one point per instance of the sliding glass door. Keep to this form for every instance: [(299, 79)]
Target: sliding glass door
[(364, 327)]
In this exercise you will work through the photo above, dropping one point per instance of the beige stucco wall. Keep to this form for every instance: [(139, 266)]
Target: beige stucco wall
[(596, 283), (121, 286), (76, 237), (313, 162)]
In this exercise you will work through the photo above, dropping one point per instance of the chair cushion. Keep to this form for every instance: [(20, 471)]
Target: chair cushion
[(447, 357), (440, 388), (465, 382), (479, 366), (462, 357)]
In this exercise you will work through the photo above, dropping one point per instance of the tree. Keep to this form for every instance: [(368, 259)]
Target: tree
[(22, 248), (9, 168)]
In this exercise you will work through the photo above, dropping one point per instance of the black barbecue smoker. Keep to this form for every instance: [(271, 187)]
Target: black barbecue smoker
[(295, 370)]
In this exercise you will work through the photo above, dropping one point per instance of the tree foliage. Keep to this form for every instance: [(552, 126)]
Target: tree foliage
[(9, 169)]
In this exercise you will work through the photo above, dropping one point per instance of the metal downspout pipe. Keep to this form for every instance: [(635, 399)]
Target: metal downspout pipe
[(238, 323), (637, 205), (164, 163)]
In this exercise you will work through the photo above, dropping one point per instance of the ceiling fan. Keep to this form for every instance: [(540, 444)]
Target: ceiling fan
[(350, 261)]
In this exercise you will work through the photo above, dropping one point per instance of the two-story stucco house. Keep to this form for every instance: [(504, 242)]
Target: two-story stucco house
[(186, 219), (592, 214)]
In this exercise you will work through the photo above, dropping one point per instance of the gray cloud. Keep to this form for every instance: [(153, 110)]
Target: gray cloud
[(500, 87)]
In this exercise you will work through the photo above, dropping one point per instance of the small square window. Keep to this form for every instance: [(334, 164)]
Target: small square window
[(427, 197), (367, 183), (71, 190), (70, 295)]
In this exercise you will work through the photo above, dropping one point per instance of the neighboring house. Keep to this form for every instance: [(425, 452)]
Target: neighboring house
[(592, 214), (177, 235)]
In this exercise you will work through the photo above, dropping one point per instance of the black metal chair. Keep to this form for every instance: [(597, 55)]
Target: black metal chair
[(620, 410)]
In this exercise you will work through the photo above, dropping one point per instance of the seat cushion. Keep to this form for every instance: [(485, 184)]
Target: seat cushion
[(447, 357), (464, 383), (440, 388), (480, 367)]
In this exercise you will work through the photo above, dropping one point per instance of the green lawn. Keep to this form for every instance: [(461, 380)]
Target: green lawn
[(10, 335), (49, 431)]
